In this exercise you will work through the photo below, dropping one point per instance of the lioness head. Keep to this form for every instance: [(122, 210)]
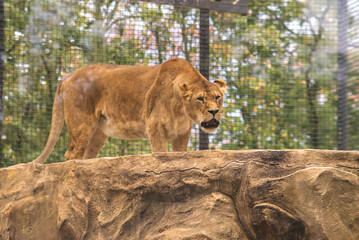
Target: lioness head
[(203, 101)]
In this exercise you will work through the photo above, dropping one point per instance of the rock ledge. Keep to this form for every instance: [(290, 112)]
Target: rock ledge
[(289, 194)]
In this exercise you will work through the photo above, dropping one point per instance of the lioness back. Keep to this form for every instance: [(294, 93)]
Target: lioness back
[(114, 94)]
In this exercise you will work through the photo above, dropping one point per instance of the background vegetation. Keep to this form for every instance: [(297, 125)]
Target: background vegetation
[(280, 63)]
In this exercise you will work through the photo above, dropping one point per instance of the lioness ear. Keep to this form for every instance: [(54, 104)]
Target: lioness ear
[(221, 85), (185, 90)]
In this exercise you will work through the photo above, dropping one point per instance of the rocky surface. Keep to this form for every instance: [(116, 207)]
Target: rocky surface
[(298, 194)]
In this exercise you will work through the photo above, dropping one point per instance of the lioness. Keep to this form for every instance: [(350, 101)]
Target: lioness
[(159, 103)]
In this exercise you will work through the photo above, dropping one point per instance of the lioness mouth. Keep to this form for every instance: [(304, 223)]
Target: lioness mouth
[(213, 123)]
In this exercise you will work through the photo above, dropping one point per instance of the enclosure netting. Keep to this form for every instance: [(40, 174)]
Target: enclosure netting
[(353, 73), (280, 63)]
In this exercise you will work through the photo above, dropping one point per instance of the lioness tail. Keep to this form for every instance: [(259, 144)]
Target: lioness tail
[(57, 123)]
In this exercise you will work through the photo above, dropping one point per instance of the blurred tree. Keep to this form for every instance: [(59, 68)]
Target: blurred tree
[(279, 63)]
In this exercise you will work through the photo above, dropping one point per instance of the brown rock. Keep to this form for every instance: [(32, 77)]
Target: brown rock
[(298, 194)]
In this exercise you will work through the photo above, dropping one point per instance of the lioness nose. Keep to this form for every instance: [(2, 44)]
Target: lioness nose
[(213, 112)]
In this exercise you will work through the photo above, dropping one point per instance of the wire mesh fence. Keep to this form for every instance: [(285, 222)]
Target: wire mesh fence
[(351, 44), (280, 62)]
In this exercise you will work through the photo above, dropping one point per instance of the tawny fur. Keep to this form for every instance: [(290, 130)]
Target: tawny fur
[(160, 103)]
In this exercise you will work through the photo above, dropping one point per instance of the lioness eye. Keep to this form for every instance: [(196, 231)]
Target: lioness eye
[(218, 97), (200, 99)]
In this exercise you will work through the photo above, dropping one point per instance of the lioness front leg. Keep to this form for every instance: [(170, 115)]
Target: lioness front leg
[(157, 138), (179, 144)]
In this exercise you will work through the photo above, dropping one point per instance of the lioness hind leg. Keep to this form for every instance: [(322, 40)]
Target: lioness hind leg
[(95, 145), (79, 139), (75, 151)]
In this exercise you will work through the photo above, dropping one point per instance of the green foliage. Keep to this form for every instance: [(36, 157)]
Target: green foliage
[(279, 64), (281, 93)]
